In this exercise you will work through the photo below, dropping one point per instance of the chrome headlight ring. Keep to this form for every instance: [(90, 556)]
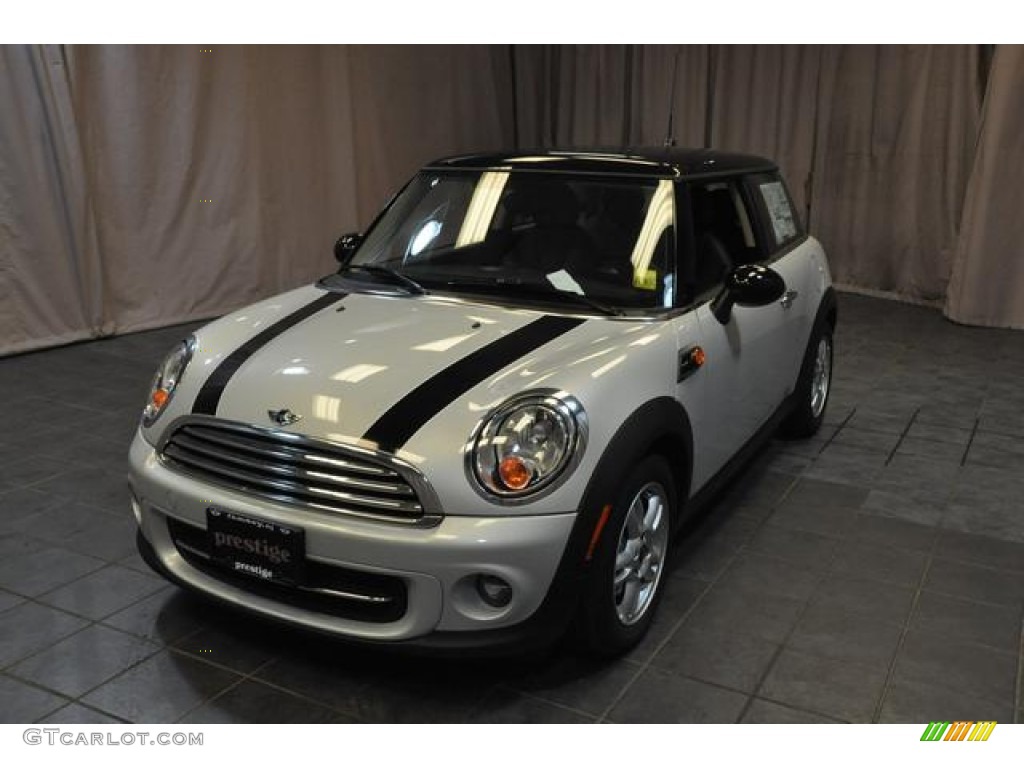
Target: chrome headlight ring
[(527, 446)]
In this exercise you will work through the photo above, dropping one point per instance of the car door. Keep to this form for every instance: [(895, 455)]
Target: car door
[(792, 254), (746, 360)]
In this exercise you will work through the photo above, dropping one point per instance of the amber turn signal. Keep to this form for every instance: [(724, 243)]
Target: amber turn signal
[(697, 356), (159, 397), (514, 473)]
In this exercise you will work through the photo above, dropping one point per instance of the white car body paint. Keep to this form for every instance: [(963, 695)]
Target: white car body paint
[(345, 366)]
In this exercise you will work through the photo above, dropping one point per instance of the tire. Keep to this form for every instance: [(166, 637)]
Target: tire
[(613, 618), (814, 386)]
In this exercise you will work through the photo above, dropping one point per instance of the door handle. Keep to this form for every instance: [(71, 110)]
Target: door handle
[(788, 298)]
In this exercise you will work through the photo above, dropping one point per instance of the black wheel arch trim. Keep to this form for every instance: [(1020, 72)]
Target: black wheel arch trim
[(828, 310), (828, 306), (661, 426)]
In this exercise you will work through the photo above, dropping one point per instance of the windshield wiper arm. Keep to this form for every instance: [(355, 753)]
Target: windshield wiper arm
[(396, 277), (500, 285)]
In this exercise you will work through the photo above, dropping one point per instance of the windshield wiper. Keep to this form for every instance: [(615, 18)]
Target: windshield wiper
[(396, 277), (501, 285)]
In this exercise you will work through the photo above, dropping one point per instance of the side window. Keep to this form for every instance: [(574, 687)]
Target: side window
[(723, 235), (773, 199)]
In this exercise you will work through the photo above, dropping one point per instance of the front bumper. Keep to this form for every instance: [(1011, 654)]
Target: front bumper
[(436, 566)]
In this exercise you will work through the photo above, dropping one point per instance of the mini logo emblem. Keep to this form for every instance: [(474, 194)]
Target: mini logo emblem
[(284, 417)]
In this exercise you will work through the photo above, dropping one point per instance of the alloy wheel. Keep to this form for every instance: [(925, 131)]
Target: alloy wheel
[(640, 555)]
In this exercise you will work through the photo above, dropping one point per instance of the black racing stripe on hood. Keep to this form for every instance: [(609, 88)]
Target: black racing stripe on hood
[(209, 396), (392, 430)]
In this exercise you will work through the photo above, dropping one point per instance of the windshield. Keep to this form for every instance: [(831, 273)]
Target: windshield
[(530, 236)]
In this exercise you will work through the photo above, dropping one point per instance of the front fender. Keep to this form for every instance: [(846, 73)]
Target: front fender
[(660, 426)]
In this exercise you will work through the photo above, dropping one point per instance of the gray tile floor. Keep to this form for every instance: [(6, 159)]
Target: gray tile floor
[(875, 573)]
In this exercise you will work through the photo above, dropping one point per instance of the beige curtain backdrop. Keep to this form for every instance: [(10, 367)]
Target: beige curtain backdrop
[(897, 128), (572, 95), (765, 103), (144, 186), (651, 84), (609, 95), (49, 280), (987, 286)]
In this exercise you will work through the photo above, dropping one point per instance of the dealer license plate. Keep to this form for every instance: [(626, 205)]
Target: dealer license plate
[(258, 548)]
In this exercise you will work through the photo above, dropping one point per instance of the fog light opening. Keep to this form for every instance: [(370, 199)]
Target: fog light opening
[(494, 590)]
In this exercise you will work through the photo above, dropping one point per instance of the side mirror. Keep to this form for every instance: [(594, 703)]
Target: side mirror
[(749, 285), (346, 246)]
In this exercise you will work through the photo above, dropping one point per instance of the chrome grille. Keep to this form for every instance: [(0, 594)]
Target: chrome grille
[(298, 470)]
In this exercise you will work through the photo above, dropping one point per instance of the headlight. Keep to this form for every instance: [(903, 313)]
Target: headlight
[(166, 380), (527, 443)]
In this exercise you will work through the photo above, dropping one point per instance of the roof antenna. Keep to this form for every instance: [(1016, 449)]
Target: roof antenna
[(670, 139)]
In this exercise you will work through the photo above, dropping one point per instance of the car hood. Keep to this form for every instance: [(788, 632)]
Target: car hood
[(407, 375), (353, 358)]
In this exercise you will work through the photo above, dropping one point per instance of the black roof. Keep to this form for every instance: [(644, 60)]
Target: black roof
[(665, 162)]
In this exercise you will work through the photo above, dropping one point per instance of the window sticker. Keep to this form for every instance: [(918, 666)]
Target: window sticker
[(563, 281), (646, 280), (779, 211)]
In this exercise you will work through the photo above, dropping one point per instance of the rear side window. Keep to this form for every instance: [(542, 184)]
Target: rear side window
[(783, 224)]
